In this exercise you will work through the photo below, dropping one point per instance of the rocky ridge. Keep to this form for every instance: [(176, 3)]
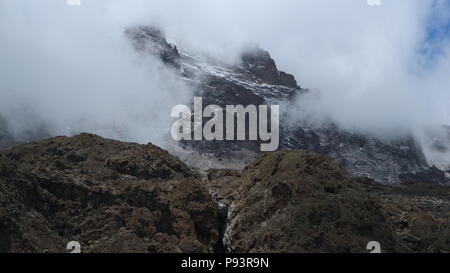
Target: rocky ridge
[(257, 80), (110, 196), (123, 197), (297, 201)]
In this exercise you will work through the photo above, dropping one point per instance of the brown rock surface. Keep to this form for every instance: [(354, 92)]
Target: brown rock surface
[(109, 196), (302, 202), (419, 213), (298, 201), (123, 197)]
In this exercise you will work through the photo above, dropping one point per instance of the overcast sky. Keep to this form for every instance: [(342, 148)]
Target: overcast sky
[(378, 68)]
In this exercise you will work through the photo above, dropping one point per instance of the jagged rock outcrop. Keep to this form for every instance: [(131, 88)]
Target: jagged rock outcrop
[(419, 213), (257, 80), (259, 64), (297, 201), (122, 197), (109, 196), (158, 46), (302, 202)]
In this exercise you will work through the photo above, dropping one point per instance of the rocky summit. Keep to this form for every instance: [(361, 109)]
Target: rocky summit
[(107, 195), (256, 80), (298, 201), (112, 196)]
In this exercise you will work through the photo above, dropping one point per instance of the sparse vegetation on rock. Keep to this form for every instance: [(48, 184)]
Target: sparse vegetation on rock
[(123, 197)]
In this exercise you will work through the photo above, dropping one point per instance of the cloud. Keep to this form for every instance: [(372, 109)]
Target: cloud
[(366, 61), (68, 69), (371, 64)]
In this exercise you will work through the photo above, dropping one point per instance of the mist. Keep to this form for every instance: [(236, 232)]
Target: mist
[(66, 70), (374, 69)]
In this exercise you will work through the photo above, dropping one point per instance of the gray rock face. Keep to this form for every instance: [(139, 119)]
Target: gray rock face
[(151, 40), (257, 81), (362, 156)]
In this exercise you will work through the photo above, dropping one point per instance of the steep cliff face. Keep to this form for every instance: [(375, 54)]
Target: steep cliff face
[(257, 80)]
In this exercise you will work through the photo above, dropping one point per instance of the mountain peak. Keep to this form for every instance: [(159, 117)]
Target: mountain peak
[(260, 64), (149, 39)]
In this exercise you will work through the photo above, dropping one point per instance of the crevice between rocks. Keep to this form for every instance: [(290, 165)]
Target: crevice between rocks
[(222, 214)]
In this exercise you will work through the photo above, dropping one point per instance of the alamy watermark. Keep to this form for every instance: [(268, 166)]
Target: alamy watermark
[(235, 122), (374, 247), (74, 247)]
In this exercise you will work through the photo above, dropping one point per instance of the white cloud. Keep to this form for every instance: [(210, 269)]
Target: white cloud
[(71, 70), (364, 60)]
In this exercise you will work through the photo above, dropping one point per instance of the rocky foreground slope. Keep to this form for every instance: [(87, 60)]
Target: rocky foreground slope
[(124, 197), (297, 201), (110, 196)]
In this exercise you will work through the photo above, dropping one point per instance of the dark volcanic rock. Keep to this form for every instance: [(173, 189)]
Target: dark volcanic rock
[(152, 40), (257, 80), (124, 197), (302, 202), (432, 175), (109, 196), (360, 155), (297, 201), (418, 212), (259, 64)]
